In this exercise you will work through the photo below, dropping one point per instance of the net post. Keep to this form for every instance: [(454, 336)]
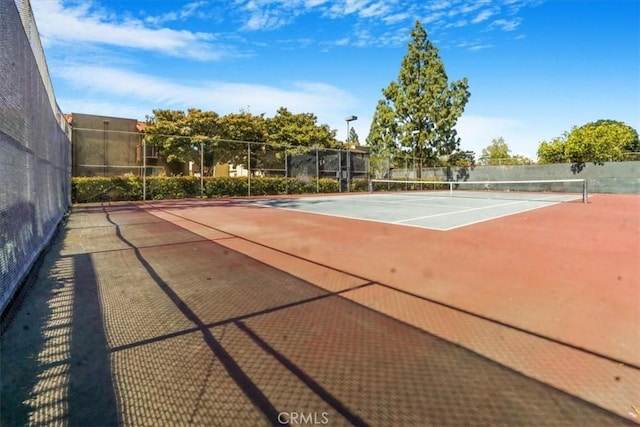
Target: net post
[(585, 191), (451, 188)]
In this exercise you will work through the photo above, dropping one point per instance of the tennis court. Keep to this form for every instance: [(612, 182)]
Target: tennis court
[(329, 308), (436, 210)]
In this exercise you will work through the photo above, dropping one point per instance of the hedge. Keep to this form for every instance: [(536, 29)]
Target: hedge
[(127, 188)]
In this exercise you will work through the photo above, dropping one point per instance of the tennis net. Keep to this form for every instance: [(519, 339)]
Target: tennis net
[(551, 190)]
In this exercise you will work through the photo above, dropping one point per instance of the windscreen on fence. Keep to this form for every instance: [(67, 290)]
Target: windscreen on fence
[(35, 149)]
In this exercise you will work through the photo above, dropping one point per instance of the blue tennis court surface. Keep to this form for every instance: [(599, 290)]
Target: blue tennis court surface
[(432, 210)]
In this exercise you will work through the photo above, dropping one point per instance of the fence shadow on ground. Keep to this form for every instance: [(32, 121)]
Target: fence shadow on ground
[(55, 360), (165, 328)]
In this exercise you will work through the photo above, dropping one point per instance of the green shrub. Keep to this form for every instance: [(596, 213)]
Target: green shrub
[(268, 186), (327, 185), (94, 189), (120, 188), (359, 184), (225, 187), (173, 187)]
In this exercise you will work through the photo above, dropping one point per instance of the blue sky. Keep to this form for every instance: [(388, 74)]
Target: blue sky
[(535, 68)]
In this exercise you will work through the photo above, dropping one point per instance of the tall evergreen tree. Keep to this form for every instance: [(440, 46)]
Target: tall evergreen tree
[(421, 105)]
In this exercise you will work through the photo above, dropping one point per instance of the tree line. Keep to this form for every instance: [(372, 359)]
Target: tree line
[(178, 136), (418, 112), (597, 142), (416, 117)]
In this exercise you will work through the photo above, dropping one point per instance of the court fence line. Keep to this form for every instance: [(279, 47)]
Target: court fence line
[(35, 149), (111, 151)]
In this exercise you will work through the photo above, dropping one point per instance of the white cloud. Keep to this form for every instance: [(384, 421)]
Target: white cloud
[(476, 133), (457, 24), (473, 6), (483, 16), (432, 17), (438, 5), (396, 17), (72, 25), (375, 10), (124, 91), (264, 21), (313, 3), (474, 45), (478, 47), (104, 108), (506, 24), (189, 10), (380, 16)]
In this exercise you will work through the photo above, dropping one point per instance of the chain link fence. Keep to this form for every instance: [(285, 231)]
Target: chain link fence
[(112, 147), (35, 149)]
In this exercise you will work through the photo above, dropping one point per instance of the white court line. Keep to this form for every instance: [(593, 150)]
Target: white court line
[(400, 223), (407, 203), (462, 211), (549, 203), (379, 221), (499, 216)]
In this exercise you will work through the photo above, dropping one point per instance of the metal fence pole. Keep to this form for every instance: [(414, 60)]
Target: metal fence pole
[(406, 174), (339, 171), (201, 169), (144, 168), (249, 169), (348, 169), (317, 171), (286, 172)]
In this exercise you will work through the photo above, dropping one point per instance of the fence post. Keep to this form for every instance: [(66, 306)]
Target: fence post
[(248, 169), (144, 168), (348, 170), (339, 170), (286, 172), (201, 169), (317, 171), (406, 174)]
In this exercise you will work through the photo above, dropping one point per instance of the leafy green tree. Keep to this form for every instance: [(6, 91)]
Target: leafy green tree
[(553, 151), (382, 139), (422, 104), (495, 152), (498, 153), (462, 159), (240, 134), (243, 127), (601, 141), (299, 130), (519, 159), (597, 142), (353, 139), (234, 137), (178, 135)]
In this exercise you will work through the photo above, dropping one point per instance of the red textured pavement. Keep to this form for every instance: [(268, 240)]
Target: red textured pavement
[(563, 279)]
